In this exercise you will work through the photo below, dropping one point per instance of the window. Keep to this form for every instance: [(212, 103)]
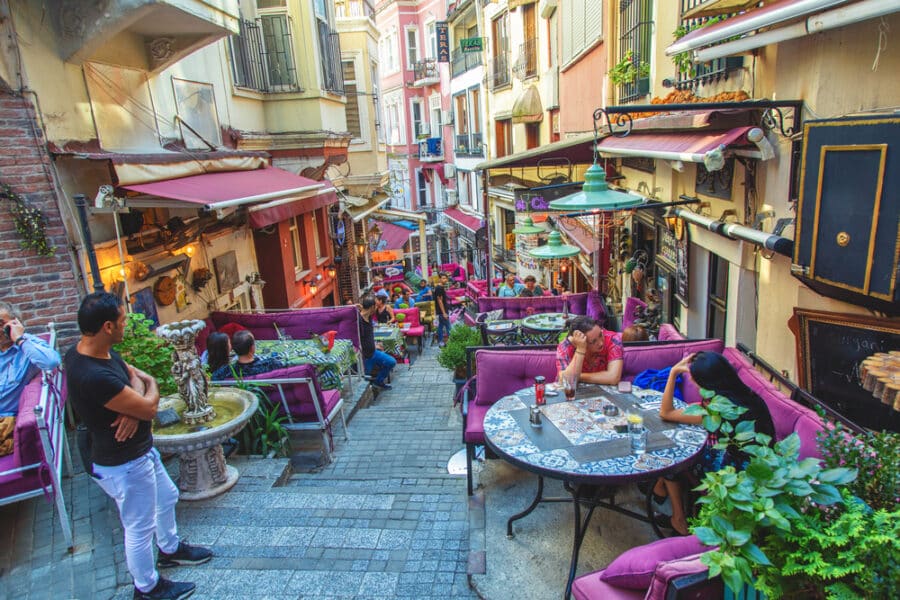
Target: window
[(395, 128), (389, 51), (708, 72), (262, 55), (329, 50), (319, 234), (503, 131), (532, 135), (430, 40), (434, 114), (412, 47), (527, 61), (717, 297), (379, 114), (417, 121), (353, 8), (421, 189), (299, 252), (500, 58), (581, 27), (636, 27), (352, 109)]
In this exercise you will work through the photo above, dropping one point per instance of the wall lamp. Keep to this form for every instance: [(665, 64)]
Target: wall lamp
[(331, 270), (313, 286), (361, 248)]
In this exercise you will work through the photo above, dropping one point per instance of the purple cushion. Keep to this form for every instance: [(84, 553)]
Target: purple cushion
[(500, 373), (807, 426), (667, 332), (298, 396), (18, 483), (295, 323), (474, 433), (639, 358), (414, 331), (27, 447), (667, 571), (592, 587), (634, 568)]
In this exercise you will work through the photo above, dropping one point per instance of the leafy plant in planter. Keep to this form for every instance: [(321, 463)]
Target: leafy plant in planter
[(453, 355), (628, 70), (265, 433), (148, 352), (752, 515)]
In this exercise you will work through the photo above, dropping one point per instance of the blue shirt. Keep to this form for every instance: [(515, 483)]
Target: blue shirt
[(424, 294), (504, 291), (402, 300), (18, 365)]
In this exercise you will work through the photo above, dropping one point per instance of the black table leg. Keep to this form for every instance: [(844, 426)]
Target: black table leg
[(527, 511), (581, 527)]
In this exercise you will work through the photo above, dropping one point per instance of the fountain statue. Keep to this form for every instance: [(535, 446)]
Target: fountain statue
[(208, 417)]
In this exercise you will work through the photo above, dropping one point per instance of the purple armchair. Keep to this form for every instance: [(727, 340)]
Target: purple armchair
[(295, 323), (585, 303), (297, 391), (499, 373)]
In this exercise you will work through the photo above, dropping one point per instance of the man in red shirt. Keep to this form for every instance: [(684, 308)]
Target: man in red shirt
[(590, 351)]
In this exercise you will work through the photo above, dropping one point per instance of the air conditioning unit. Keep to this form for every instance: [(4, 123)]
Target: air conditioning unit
[(449, 171), (452, 198), (447, 117)]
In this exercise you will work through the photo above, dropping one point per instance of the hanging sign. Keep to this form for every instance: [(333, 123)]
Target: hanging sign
[(681, 270), (475, 44), (387, 256), (443, 41)]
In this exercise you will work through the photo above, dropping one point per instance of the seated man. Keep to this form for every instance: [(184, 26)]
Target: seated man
[(531, 288), (424, 294), (591, 352), (372, 356), (22, 356), (247, 363), (405, 298), (509, 288)]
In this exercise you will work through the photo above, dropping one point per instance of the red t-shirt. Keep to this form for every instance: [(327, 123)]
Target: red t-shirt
[(596, 363)]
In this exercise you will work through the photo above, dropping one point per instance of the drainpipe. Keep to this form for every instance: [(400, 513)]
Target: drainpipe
[(770, 241), (487, 230), (81, 205)]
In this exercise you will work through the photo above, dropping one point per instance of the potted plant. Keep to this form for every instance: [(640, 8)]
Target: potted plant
[(628, 70), (142, 348), (453, 355), (793, 528), (401, 318)]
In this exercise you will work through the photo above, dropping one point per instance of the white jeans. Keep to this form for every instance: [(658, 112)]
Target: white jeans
[(146, 499)]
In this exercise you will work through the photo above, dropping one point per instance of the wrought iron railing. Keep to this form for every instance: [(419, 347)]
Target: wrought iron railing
[(262, 55), (426, 69), (469, 144), (332, 73), (715, 70), (501, 253), (464, 61), (499, 76), (355, 8), (636, 26), (526, 64)]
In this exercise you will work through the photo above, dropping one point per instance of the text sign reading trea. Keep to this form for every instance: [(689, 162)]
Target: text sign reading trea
[(475, 44)]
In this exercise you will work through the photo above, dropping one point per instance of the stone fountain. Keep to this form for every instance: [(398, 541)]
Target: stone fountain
[(209, 416)]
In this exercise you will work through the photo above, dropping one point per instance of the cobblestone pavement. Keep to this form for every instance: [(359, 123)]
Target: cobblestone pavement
[(384, 520)]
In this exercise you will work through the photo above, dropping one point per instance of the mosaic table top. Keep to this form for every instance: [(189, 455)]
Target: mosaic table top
[(577, 442)]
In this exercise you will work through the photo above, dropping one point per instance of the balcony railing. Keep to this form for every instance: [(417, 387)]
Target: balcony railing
[(499, 76), (355, 8), (262, 56), (501, 253), (464, 61), (526, 64), (469, 144), (431, 150), (712, 71), (426, 71)]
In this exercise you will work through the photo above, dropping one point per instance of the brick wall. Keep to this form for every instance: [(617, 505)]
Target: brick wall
[(43, 288)]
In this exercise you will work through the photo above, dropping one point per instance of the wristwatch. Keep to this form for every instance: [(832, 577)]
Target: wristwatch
[(21, 340)]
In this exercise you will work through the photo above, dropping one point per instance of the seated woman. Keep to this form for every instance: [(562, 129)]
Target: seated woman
[(383, 311), (590, 351), (218, 351), (247, 363), (713, 372)]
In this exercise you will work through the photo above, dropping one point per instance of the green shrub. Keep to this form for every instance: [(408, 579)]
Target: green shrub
[(148, 352), (453, 355)]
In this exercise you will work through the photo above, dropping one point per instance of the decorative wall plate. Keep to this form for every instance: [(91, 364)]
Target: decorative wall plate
[(164, 290)]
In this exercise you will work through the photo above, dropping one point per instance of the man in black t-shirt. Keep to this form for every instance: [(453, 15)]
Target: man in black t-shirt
[(442, 309), (372, 356), (117, 403)]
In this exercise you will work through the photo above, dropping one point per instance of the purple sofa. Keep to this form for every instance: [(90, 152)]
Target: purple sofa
[(295, 323), (302, 400), (585, 303)]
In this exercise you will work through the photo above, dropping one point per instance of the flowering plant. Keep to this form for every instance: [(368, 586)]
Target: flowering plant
[(876, 455), (30, 223)]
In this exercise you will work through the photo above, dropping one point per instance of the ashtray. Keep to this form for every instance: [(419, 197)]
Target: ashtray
[(610, 410)]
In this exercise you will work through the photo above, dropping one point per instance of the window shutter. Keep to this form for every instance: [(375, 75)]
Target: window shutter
[(593, 21), (352, 106), (566, 18), (578, 26)]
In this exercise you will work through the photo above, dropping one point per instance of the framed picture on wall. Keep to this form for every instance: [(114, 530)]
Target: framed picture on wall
[(226, 271), (143, 302)]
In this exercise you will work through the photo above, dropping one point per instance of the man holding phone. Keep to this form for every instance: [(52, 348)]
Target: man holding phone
[(22, 356)]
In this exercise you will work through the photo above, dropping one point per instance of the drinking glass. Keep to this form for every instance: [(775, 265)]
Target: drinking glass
[(569, 384), (636, 431)]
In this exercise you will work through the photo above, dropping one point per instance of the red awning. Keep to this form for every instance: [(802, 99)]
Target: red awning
[(278, 194), (689, 146), (471, 223), (438, 167), (394, 236)]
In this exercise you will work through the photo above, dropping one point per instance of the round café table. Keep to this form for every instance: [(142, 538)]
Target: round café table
[(588, 450), (543, 328)]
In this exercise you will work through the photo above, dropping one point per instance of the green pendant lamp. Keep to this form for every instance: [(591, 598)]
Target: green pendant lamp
[(554, 249), (528, 228), (595, 195)]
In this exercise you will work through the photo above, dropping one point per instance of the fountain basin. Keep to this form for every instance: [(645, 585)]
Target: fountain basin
[(204, 473)]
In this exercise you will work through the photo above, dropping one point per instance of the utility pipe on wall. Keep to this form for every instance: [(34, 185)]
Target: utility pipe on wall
[(770, 241)]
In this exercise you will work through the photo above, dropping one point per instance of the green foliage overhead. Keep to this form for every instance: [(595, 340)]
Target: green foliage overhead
[(148, 352)]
